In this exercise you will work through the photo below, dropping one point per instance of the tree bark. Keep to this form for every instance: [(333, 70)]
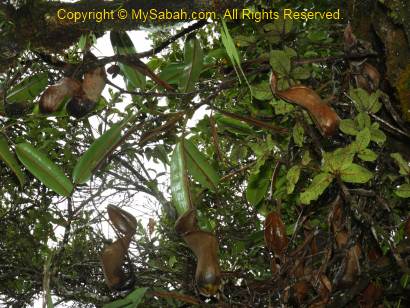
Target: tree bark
[(37, 23)]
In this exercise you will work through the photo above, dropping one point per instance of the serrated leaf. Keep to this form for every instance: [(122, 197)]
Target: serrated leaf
[(403, 191), (8, 157), (404, 167), (258, 184), (359, 97), (367, 155), (353, 173), (362, 120), (262, 91), (180, 192), (374, 104), (364, 101), (96, 153), (199, 167), (318, 185), (122, 45), (193, 57), (298, 134), (337, 159), (28, 89), (280, 62), (292, 177), (44, 169), (363, 139), (281, 107), (377, 136), (300, 73), (348, 127)]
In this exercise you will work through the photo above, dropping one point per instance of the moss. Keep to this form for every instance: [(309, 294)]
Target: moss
[(403, 88), (400, 13)]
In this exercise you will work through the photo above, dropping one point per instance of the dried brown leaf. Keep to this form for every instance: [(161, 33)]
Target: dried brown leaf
[(275, 234)]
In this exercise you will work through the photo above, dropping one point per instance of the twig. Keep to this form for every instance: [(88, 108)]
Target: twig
[(172, 39), (232, 174)]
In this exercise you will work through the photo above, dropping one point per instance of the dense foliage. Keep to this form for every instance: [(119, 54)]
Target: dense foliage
[(290, 139)]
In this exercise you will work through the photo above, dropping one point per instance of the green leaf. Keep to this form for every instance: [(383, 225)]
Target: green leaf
[(244, 40), (404, 167), (131, 301), (318, 185), (362, 120), (298, 133), (377, 135), (306, 159), (317, 36), (353, 173), (193, 57), (281, 107), (96, 153), (44, 169), (367, 155), (374, 104), (336, 160), (290, 52), (403, 191), (363, 139), (28, 89), (199, 167), (348, 127), (82, 42), (233, 125), (172, 72), (292, 178), (300, 73), (122, 45), (364, 101), (258, 184), (262, 91), (280, 62), (279, 26), (231, 51), (180, 192), (7, 156)]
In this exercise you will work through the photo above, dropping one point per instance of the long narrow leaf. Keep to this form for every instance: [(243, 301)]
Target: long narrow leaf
[(193, 57), (96, 153), (28, 89), (44, 169), (179, 180), (199, 167), (229, 45), (122, 45), (233, 54), (132, 300), (7, 156)]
